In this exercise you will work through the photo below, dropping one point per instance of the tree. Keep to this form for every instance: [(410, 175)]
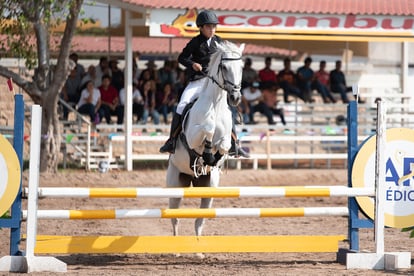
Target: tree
[(27, 25)]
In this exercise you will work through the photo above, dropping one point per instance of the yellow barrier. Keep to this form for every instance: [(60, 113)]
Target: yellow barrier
[(184, 244)]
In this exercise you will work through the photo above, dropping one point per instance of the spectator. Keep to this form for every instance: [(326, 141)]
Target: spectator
[(101, 69), (180, 84), (110, 101), (338, 83), (145, 76), (166, 101), (165, 74), (117, 75), (244, 111), (135, 68), (80, 70), (70, 92), (90, 102), (287, 81), (270, 99), (253, 100), (321, 83), (148, 94), (150, 73), (175, 70), (267, 76), (90, 75), (305, 77), (137, 101), (249, 74)]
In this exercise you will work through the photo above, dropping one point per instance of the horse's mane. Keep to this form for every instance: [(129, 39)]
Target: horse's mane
[(226, 46)]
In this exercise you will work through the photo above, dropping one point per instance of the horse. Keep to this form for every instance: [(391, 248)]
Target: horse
[(206, 129)]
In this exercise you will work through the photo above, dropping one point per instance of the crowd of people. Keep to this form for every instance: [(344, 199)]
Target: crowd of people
[(99, 93), (259, 88)]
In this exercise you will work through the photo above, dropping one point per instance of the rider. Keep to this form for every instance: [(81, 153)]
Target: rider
[(196, 57)]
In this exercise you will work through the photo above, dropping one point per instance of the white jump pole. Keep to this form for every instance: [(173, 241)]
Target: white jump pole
[(34, 263), (34, 167), (380, 177)]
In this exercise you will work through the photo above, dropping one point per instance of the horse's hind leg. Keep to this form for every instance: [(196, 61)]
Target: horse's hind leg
[(174, 203), (173, 181), (176, 179)]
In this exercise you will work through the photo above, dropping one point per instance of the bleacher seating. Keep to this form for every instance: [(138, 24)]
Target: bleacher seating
[(312, 135)]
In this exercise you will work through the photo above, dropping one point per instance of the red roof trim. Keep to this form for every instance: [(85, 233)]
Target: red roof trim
[(156, 45), (372, 7)]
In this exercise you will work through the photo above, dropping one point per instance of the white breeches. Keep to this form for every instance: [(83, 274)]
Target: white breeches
[(190, 93)]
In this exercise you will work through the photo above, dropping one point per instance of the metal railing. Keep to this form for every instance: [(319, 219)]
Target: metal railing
[(80, 120)]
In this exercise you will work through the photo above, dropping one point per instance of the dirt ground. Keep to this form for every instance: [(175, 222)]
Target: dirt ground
[(212, 264)]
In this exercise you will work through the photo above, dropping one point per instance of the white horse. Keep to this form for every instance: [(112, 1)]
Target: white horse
[(207, 129)]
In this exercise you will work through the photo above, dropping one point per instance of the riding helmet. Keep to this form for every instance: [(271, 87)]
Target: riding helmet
[(206, 17)]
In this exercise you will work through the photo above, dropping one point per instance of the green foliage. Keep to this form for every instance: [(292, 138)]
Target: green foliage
[(409, 229), (22, 19), (5, 215), (26, 29)]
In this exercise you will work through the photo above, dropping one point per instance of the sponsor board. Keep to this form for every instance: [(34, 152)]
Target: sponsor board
[(9, 175), (266, 25), (399, 177)]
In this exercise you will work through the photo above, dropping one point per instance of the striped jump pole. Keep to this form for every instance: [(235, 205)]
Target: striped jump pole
[(191, 213), (198, 192)]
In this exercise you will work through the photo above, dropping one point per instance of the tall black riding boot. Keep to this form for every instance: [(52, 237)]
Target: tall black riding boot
[(169, 146), (235, 149)]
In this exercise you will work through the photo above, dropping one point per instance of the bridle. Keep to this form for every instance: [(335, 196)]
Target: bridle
[(227, 85)]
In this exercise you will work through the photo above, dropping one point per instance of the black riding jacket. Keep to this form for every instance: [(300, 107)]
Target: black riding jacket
[(198, 51)]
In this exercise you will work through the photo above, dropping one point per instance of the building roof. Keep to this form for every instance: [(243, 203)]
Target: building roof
[(98, 45), (373, 7)]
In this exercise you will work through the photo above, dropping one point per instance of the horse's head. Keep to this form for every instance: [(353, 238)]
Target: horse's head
[(228, 60)]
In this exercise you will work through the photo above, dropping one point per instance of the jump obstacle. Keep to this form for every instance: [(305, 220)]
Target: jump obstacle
[(190, 244), (197, 192)]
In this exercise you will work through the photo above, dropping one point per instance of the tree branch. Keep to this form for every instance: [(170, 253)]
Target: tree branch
[(27, 86), (62, 60)]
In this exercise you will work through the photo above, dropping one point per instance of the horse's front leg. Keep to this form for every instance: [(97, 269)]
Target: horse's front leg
[(205, 203), (208, 156), (211, 180)]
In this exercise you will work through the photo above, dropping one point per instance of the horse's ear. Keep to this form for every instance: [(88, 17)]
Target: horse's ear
[(242, 47), (219, 46)]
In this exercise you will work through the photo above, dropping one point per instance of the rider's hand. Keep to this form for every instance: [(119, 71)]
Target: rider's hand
[(197, 67)]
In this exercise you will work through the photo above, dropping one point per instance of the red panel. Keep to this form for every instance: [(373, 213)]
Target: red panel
[(385, 7)]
